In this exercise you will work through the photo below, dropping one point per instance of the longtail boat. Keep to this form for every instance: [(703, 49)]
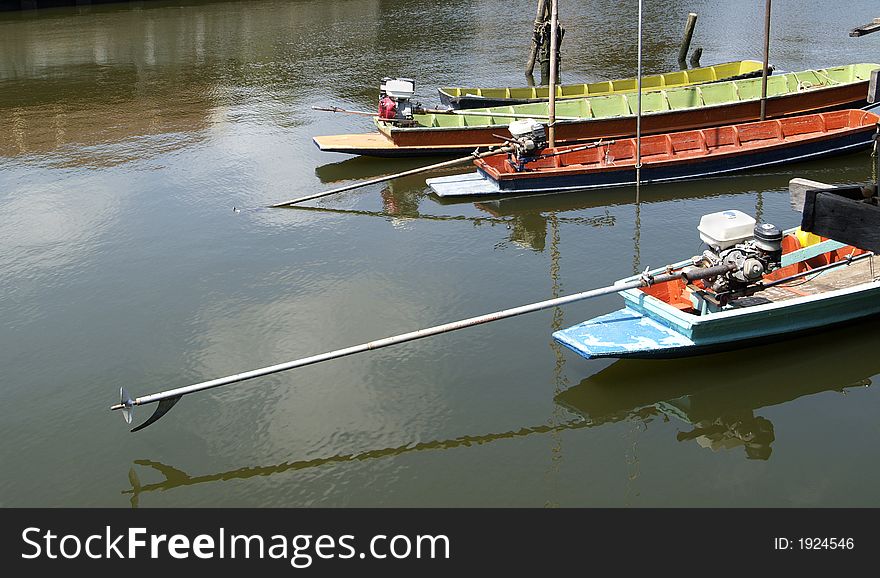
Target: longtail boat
[(476, 97), (709, 301), (595, 117), (782, 284), (667, 157)]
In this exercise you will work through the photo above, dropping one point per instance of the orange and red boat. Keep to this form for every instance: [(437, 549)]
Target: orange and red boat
[(667, 157)]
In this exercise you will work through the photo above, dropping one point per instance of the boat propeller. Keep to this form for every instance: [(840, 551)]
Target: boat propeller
[(126, 404)]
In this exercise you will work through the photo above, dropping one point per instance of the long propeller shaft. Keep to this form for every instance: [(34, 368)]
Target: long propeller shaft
[(167, 399), (444, 164)]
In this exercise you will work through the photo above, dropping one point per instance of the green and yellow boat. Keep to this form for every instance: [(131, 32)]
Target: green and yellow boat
[(612, 116), (477, 97)]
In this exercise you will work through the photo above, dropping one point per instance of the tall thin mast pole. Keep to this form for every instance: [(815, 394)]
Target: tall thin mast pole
[(766, 60), (554, 46), (639, 106)]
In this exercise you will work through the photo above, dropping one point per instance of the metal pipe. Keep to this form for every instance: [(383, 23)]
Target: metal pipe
[(765, 71), (639, 99), (495, 114), (444, 164), (554, 46), (380, 343), (645, 280)]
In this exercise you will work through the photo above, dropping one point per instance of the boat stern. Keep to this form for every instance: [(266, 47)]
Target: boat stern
[(465, 185)]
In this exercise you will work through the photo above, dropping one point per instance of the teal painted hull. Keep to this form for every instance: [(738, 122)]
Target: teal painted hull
[(647, 327)]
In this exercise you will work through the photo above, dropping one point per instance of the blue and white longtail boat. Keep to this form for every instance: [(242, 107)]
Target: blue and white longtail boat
[(779, 284)]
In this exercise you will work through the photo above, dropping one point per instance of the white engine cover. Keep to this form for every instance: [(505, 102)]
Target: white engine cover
[(726, 229), (524, 126), (399, 87)]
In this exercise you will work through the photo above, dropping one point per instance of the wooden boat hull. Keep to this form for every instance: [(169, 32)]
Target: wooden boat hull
[(461, 98), (572, 131), (489, 181), (592, 118), (649, 328)]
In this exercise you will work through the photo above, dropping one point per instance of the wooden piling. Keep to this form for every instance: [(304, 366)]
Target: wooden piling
[(544, 57), (536, 36), (686, 40), (695, 57), (873, 26), (546, 40)]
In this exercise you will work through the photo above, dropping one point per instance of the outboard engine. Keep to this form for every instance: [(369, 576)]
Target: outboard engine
[(529, 139), (395, 100), (734, 240)]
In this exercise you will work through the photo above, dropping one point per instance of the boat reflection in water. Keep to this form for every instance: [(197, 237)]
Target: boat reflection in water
[(716, 395)]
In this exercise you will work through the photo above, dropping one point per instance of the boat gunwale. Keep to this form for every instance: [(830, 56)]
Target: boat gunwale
[(444, 90), (491, 172)]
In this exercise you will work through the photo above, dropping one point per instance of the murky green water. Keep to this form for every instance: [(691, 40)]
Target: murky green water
[(129, 132)]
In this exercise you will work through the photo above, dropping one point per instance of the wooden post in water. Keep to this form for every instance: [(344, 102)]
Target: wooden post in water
[(554, 27), (870, 27), (544, 49), (686, 40), (536, 38), (546, 45), (766, 60)]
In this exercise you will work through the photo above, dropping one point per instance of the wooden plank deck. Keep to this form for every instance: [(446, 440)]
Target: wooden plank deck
[(831, 280), (377, 145)]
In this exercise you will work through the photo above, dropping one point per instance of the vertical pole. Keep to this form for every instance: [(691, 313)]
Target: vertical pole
[(686, 40), (766, 60), (638, 220), (539, 21), (639, 106), (875, 163), (554, 46)]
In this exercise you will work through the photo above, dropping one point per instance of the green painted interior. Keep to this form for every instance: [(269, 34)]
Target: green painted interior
[(681, 98)]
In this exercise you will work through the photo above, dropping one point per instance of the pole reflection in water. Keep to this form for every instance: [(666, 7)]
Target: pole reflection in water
[(527, 229), (720, 414), (175, 478)]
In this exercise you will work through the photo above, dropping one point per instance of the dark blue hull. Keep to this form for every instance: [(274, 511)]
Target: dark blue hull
[(692, 168)]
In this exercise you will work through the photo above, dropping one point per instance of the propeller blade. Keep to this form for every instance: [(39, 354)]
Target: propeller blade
[(126, 403)]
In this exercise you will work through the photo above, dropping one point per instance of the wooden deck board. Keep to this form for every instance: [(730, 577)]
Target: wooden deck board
[(377, 144), (831, 280)]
